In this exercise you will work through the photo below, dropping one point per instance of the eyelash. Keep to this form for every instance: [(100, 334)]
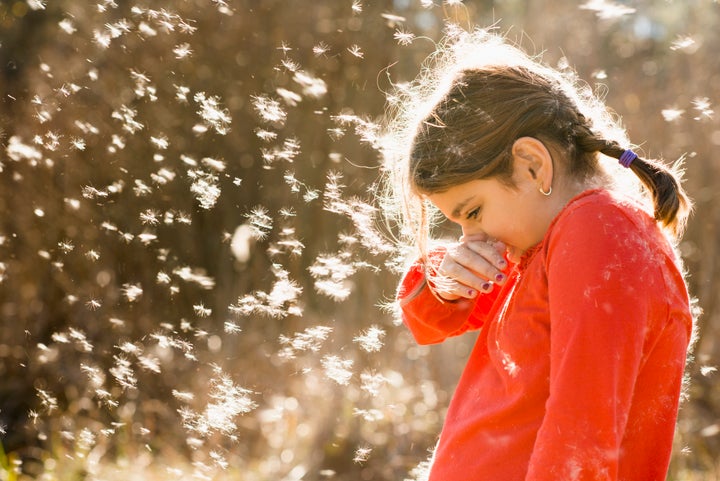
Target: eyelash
[(473, 214)]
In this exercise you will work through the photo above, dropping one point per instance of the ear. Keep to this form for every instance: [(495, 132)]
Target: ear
[(532, 162)]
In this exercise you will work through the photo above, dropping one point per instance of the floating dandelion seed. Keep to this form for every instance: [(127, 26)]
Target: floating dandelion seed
[(607, 9), (289, 97), (260, 222), (66, 246), (371, 340), (290, 65), (403, 37), (265, 135), (232, 328), (312, 86), (356, 7), (93, 304), (205, 188), (182, 51), (202, 311), (67, 26), (269, 109), (702, 105), (371, 382), (212, 113), (708, 370), (337, 369), (672, 114), (320, 49), (356, 51), (132, 292), (150, 217), (684, 42), (362, 454)]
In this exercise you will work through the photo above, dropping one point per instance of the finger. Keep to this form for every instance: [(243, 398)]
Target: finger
[(481, 259), (450, 289), (492, 252), (456, 269)]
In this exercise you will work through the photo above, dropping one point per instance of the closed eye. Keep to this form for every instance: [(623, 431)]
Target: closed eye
[(473, 214)]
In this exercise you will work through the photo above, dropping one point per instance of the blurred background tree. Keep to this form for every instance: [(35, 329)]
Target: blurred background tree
[(191, 272)]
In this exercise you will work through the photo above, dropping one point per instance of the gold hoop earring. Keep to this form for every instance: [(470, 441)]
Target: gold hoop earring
[(546, 194)]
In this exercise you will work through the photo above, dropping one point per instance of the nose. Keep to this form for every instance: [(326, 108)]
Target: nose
[(473, 232)]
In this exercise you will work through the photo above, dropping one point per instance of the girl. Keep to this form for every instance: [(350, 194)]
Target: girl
[(568, 272)]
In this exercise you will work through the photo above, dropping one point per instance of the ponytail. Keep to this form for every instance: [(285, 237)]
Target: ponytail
[(671, 205)]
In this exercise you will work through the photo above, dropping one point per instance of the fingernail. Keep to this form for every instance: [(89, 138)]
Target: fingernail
[(502, 263), (499, 277), (471, 292), (486, 286)]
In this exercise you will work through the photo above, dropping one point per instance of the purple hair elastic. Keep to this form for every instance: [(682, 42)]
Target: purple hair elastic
[(627, 158)]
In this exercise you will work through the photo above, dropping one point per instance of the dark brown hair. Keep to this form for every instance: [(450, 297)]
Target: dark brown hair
[(483, 94)]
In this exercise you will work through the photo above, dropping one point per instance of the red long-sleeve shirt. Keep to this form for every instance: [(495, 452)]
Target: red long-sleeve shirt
[(577, 370)]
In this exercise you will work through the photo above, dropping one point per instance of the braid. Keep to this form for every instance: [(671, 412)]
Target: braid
[(671, 205)]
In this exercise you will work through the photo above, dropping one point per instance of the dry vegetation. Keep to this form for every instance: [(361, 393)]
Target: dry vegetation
[(193, 276)]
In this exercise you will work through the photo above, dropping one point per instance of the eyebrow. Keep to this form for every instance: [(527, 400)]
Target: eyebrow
[(460, 206)]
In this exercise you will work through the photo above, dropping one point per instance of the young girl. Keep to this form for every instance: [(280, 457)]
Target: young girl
[(569, 273)]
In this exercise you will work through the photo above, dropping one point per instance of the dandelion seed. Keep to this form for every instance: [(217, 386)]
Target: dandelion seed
[(362, 454), (214, 164), (49, 402), (66, 246), (183, 50), (356, 51), (147, 238), (150, 217), (260, 222), (127, 116), (427, 3), (702, 105), (212, 113), (403, 37), (196, 276), (183, 396), (708, 370), (67, 26), (672, 114), (290, 98), (202, 311), (356, 6), (231, 328), (123, 373), (607, 9), (150, 363), (161, 142), (265, 135), (269, 109), (371, 340), (312, 86), (371, 382), (132, 292), (369, 415), (93, 304), (320, 49), (290, 65), (205, 188), (684, 42), (337, 369)]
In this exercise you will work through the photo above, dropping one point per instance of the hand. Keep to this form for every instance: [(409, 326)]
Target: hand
[(471, 266)]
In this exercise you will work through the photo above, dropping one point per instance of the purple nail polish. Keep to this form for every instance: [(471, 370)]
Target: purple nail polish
[(502, 263), (486, 286), (471, 292), (499, 277)]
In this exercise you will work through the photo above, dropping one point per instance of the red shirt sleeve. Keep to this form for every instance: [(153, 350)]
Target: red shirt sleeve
[(605, 290), (432, 320)]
